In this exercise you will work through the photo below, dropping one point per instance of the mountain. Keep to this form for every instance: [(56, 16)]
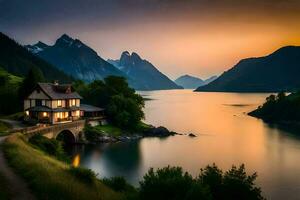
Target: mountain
[(278, 71), (75, 58), (209, 80), (191, 82), (16, 60), (143, 72)]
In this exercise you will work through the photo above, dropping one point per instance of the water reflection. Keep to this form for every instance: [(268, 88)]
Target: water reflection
[(226, 136)]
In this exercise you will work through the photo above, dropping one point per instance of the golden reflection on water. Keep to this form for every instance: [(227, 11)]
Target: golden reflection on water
[(76, 161), (226, 136)]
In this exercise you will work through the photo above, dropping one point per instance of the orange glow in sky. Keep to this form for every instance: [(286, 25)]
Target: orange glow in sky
[(196, 37)]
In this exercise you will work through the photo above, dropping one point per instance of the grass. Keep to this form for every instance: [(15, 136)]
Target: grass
[(49, 178), (112, 130), (109, 130), (12, 78), (4, 129), (4, 189)]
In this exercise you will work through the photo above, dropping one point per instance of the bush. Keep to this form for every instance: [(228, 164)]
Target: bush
[(171, 183), (83, 174), (49, 146), (166, 183), (91, 133), (238, 185), (118, 184)]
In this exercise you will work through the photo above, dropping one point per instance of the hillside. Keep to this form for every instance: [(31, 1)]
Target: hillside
[(280, 109), (16, 60), (278, 71), (9, 85)]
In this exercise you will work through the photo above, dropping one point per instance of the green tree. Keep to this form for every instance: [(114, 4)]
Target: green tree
[(169, 183), (29, 83), (124, 107), (125, 112), (238, 185)]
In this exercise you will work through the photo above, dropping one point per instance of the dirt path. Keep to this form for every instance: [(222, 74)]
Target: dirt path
[(17, 186)]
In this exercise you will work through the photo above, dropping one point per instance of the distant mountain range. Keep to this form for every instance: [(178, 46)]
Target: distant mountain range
[(75, 58), (79, 60), (278, 71), (16, 60), (191, 82), (143, 72)]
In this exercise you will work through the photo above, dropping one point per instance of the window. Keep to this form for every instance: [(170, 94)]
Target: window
[(58, 103), (38, 102), (72, 102)]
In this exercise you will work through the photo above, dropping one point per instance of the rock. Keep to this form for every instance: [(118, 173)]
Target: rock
[(159, 132), (192, 135)]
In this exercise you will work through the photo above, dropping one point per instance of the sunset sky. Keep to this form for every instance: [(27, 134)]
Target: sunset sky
[(196, 37)]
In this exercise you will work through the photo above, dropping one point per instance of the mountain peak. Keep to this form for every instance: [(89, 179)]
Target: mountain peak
[(66, 37), (135, 56), (64, 40)]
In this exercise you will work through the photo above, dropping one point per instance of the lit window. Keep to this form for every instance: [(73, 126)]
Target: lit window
[(72, 102), (45, 114), (58, 103), (27, 112)]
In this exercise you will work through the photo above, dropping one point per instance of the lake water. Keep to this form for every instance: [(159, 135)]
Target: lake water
[(226, 136)]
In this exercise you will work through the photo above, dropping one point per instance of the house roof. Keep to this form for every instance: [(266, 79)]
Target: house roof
[(90, 108), (40, 109), (47, 109), (61, 91)]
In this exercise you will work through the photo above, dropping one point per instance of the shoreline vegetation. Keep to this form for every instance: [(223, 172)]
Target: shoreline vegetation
[(280, 109), (51, 178), (111, 134)]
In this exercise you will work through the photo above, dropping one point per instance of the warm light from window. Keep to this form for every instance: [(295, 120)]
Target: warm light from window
[(45, 114), (27, 112), (58, 103)]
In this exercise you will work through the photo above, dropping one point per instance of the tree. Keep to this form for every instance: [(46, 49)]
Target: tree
[(124, 107), (125, 112), (29, 83), (169, 183), (238, 185)]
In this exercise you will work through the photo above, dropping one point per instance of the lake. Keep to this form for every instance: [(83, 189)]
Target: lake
[(225, 136)]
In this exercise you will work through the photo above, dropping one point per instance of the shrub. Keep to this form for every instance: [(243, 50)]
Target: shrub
[(91, 133), (83, 174), (238, 185), (118, 184), (166, 183), (49, 146), (171, 183)]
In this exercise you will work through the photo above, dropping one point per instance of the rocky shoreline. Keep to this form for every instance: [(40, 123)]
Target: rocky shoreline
[(159, 132)]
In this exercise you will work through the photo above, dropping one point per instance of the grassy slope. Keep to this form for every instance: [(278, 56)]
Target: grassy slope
[(109, 129), (12, 78), (49, 178), (112, 130)]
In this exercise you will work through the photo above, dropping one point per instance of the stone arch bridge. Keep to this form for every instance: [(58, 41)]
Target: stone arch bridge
[(69, 132)]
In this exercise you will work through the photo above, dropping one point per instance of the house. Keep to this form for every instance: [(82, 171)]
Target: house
[(53, 103)]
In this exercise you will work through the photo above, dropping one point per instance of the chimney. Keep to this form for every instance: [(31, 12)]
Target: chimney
[(55, 82)]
